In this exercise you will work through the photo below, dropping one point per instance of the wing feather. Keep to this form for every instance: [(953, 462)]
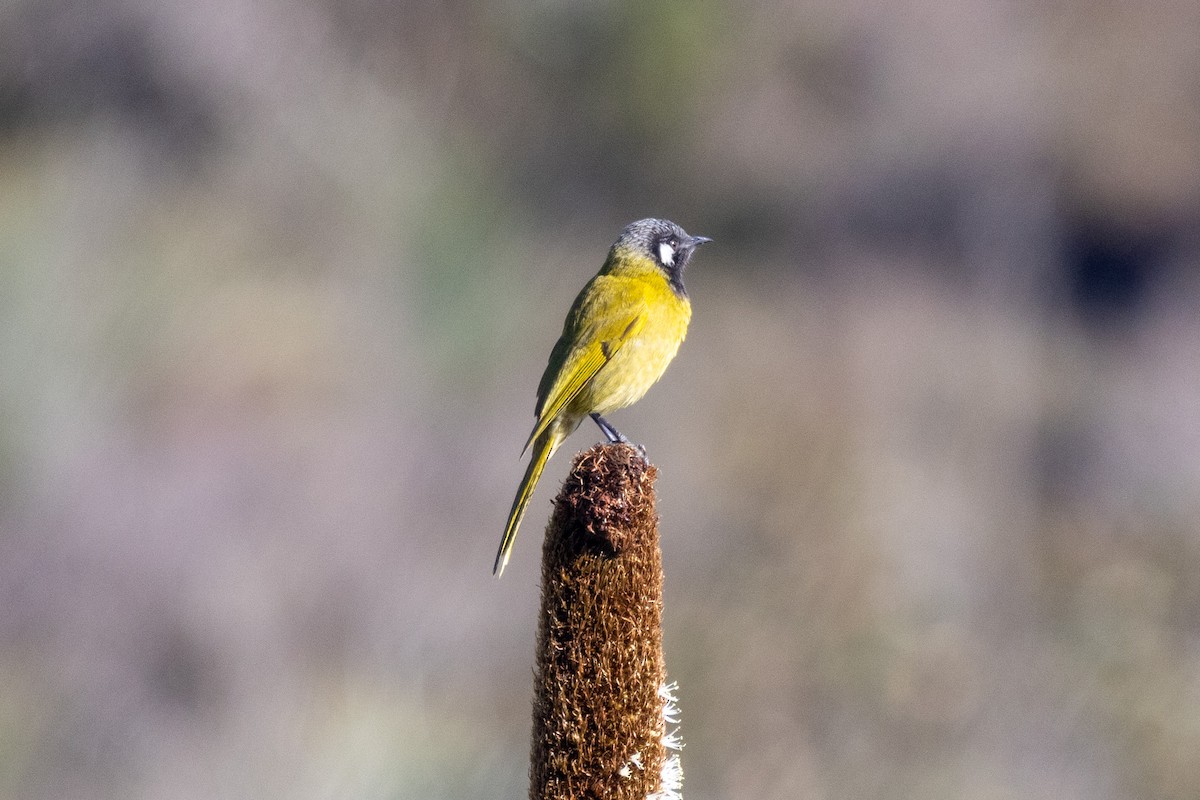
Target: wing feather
[(604, 317)]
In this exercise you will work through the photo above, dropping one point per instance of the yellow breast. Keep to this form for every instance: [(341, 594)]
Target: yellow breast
[(644, 357)]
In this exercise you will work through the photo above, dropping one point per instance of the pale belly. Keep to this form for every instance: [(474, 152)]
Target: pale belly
[(632, 371)]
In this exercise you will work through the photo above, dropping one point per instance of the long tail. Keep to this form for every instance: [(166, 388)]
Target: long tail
[(543, 447)]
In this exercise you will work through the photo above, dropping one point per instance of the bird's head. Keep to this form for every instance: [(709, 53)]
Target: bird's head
[(664, 243)]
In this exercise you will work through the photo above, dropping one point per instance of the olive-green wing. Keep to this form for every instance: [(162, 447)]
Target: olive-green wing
[(604, 317)]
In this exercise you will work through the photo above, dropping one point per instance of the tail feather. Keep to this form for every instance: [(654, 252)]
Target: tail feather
[(543, 447)]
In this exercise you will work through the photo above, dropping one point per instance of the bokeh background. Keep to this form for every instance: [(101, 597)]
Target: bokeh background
[(278, 280)]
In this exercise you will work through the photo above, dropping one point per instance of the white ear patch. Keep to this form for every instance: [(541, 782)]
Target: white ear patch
[(666, 254)]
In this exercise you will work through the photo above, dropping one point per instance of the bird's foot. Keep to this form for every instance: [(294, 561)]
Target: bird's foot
[(614, 436)]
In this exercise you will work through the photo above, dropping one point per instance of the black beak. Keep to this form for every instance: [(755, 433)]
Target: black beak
[(696, 241)]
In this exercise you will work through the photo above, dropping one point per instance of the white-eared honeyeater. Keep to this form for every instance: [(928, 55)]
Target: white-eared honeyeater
[(620, 334)]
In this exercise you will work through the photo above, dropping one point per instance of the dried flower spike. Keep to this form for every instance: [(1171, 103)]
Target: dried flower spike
[(603, 717)]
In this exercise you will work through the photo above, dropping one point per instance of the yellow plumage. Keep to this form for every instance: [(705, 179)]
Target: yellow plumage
[(619, 336)]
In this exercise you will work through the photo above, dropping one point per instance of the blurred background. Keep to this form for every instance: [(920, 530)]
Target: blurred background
[(278, 281)]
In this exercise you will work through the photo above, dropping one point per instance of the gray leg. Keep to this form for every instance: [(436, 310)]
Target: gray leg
[(613, 435), (610, 433)]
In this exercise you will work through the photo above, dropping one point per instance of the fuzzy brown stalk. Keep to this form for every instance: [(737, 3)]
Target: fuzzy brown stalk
[(598, 712)]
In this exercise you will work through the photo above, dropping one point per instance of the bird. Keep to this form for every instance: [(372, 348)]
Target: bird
[(622, 331)]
